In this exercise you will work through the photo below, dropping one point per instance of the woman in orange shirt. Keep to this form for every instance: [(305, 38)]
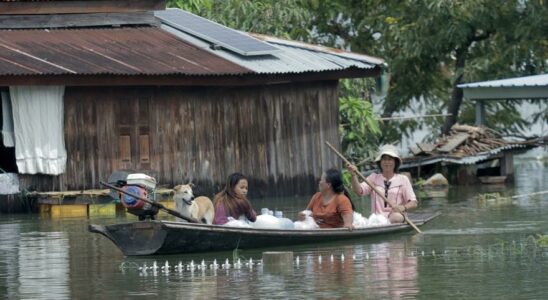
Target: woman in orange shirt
[(331, 206)]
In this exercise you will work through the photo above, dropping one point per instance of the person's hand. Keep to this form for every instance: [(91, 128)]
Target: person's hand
[(400, 208), (301, 217), (350, 227), (352, 168)]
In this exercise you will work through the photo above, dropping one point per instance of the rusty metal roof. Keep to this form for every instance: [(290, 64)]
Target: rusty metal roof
[(106, 51)]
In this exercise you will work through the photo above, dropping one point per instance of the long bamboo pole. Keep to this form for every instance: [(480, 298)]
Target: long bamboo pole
[(375, 189)]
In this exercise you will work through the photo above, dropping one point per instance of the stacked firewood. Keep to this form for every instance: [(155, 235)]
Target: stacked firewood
[(463, 140), (474, 140)]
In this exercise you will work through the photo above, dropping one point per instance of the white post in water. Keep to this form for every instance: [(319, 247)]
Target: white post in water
[(278, 258), (278, 262)]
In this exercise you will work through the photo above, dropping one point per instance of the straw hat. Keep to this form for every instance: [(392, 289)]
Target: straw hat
[(390, 151)]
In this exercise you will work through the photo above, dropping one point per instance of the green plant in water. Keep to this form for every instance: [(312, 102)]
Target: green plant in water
[(236, 254), (420, 181), (542, 240), (489, 196)]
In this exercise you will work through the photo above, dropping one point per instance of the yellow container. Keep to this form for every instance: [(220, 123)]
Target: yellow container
[(44, 208), (68, 211), (169, 204), (102, 210)]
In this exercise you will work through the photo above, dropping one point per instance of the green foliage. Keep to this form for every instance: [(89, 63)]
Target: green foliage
[(281, 18), (193, 6), (430, 47), (359, 128), (502, 115), (542, 240)]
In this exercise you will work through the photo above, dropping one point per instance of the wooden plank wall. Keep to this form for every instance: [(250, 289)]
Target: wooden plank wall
[(273, 134)]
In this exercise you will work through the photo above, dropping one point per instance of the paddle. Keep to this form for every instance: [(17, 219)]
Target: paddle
[(376, 190), (159, 205)]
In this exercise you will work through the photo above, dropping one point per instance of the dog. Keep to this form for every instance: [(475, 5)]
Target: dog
[(199, 208)]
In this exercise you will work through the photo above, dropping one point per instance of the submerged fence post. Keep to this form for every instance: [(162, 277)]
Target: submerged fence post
[(278, 262)]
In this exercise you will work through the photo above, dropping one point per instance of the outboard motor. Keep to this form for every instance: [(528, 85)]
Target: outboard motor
[(137, 184)]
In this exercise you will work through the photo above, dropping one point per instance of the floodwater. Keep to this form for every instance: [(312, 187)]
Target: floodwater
[(477, 249)]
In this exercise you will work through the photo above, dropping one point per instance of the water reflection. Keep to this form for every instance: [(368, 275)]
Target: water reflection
[(34, 264), (9, 244), (44, 265), (474, 250), (393, 272)]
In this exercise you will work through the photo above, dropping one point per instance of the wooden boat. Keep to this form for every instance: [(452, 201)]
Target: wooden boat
[(167, 237)]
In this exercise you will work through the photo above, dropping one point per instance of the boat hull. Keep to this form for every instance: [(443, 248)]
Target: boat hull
[(166, 237)]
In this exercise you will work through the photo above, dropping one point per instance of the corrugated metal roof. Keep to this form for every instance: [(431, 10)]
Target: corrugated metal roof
[(318, 48), (295, 57), (117, 51), (527, 81), (466, 160)]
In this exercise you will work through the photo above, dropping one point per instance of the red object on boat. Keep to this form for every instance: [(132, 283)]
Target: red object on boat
[(130, 201)]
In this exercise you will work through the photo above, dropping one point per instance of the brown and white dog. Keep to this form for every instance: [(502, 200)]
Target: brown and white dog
[(199, 208)]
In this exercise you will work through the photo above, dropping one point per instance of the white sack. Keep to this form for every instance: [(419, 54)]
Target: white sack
[(237, 223), (9, 184), (308, 222), (358, 220)]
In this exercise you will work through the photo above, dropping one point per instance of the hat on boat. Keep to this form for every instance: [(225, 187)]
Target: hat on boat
[(389, 150)]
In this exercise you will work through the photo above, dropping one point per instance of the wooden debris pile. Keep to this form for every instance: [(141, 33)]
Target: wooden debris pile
[(463, 140)]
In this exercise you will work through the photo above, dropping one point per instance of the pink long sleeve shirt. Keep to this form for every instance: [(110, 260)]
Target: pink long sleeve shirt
[(400, 192)]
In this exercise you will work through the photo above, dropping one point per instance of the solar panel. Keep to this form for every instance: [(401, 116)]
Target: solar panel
[(214, 33)]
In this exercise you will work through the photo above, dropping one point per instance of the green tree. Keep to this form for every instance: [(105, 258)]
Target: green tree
[(359, 127), (432, 46), (281, 18)]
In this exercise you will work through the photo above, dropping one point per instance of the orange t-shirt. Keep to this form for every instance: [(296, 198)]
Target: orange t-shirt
[(329, 215)]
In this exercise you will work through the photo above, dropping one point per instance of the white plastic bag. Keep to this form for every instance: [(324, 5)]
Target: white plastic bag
[(267, 222), (308, 222), (377, 220), (237, 223), (9, 183), (359, 221)]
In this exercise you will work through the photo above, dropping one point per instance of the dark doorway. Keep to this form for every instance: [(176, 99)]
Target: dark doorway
[(7, 154)]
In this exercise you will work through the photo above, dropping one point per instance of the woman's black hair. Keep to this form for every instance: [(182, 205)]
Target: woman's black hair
[(334, 177), (232, 181)]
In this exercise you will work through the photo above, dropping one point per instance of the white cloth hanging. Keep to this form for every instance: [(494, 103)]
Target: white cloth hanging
[(7, 121), (38, 126)]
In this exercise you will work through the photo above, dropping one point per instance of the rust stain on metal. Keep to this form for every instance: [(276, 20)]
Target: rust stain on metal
[(119, 51)]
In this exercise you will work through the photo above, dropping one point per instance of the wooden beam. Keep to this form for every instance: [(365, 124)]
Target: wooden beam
[(75, 7), (454, 142), (427, 148), (77, 20)]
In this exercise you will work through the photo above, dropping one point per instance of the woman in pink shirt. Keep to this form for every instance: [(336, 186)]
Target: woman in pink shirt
[(396, 187)]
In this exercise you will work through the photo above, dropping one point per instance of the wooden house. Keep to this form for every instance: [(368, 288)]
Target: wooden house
[(138, 91)]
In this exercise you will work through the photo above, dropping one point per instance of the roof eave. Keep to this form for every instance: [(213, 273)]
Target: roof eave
[(485, 93), (185, 80)]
